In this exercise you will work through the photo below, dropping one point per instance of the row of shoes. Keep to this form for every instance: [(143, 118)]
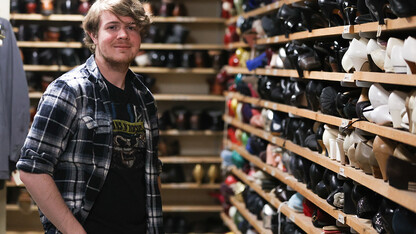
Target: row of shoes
[(165, 8), (167, 33), (381, 104), (36, 32), (357, 148), (181, 224), (177, 173), (181, 118), (64, 56), (231, 8), (176, 59), (393, 56), (309, 15), (340, 192), (48, 7)]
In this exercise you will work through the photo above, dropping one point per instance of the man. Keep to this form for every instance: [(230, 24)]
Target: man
[(90, 159)]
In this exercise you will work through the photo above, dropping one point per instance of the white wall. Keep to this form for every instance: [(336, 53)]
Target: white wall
[(5, 9)]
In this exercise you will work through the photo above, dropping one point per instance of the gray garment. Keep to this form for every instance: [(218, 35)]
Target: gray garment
[(14, 101)]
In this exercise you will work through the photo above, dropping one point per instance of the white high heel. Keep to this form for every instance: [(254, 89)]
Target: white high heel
[(378, 95), (376, 52), (388, 66), (409, 53), (399, 65), (397, 108), (358, 54), (411, 113), (328, 138)]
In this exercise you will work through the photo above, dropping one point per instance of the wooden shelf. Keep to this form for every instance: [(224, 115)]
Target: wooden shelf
[(196, 208), (144, 46), (190, 159), (165, 97), (389, 132), (189, 97), (229, 223), (236, 45), (164, 70), (79, 18), (391, 25), (163, 46), (190, 186), (9, 207), (251, 218), (49, 44), (359, 225), (261, 10), (175, 132), (403, 197), (136, 69), (188, 19), (374, 77), (40, 17), (304, 222)]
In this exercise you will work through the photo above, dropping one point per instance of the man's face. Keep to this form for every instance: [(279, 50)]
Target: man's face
[(118, 39)]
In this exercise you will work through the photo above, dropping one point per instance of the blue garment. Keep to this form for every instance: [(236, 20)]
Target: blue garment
[(14, 101), (71, 140)]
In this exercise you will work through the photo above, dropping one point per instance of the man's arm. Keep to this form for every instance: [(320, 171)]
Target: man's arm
[(43, 190)]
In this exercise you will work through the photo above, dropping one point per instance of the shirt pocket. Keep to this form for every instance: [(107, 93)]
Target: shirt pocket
[(98, 126)]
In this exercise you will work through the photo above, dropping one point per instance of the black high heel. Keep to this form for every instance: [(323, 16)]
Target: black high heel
[(403, 8), (349, 9), (328, 7), (376, 9), (400, 172), (291, 17)]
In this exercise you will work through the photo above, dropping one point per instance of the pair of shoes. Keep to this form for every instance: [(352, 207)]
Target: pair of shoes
[(198, 173)]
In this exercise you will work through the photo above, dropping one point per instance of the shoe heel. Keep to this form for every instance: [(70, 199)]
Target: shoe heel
[(396, 116), (376, 172), (398, 182), (412, 66)]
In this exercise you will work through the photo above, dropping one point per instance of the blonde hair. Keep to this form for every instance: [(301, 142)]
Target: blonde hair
[(131, 8)]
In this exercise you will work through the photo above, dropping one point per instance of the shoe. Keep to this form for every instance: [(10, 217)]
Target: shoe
[(68, 7), (363, 153), (376, 9), (388, 66), (173, 60), (403, 221), (327, 101), (379, 115), (408, 53), (332, 12), (383, 220), (403, 8), (400, 172), (84, 7), (383, 148), (143, 60), (397, 107), (375, 54), (349, 206), (47, 7), (378, 96), (399, 64), (69, 57), (358, 55), (328, 135), (411, 113), (179, 9)]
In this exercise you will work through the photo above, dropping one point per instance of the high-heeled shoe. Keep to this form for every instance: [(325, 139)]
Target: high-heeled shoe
[(397, 107), (328, 7), (358, 55), (400, 172), (409, 53), (375, 54), (383, 148), (388, 66), (376, 9), (403, 8), (363, 153), (349, 10), (411, 112), (399, 64)]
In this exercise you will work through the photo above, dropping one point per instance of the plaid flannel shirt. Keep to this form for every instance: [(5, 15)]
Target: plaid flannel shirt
[(71, 140)]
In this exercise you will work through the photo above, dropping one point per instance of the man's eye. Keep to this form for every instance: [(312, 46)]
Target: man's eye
[(132, 28), (112, 27)]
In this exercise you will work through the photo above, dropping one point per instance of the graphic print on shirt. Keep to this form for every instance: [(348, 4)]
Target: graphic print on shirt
[(128, 141)]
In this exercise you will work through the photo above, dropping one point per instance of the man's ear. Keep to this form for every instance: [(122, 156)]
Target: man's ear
[(93, 37)]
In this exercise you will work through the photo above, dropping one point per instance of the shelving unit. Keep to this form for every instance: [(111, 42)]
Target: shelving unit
[(206, 31), (403, 197)]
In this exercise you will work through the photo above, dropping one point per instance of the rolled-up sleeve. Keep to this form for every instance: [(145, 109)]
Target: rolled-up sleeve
[(50, 131)]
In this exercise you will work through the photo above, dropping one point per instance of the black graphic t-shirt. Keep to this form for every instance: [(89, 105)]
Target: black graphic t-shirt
[(121, 205)]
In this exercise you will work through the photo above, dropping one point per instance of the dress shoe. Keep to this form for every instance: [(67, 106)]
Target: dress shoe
[(383, 148), (349, 206), (47, 7), (295, 202), (376, 52), (332, 12), (410, 106), (403, 221), (397, 107), (377, 9), (383, 220), (400, 172), (346, 102), (69, 57), (399, 64), (181, 116), (173, 59), (30, 6), (84, 7), (408, 53), (179, 9), (68, 6), (330, 134), (315, 174), (327, 101), (363, 153), (378, 95), (358, 55), (391, 43), (402, 8)]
